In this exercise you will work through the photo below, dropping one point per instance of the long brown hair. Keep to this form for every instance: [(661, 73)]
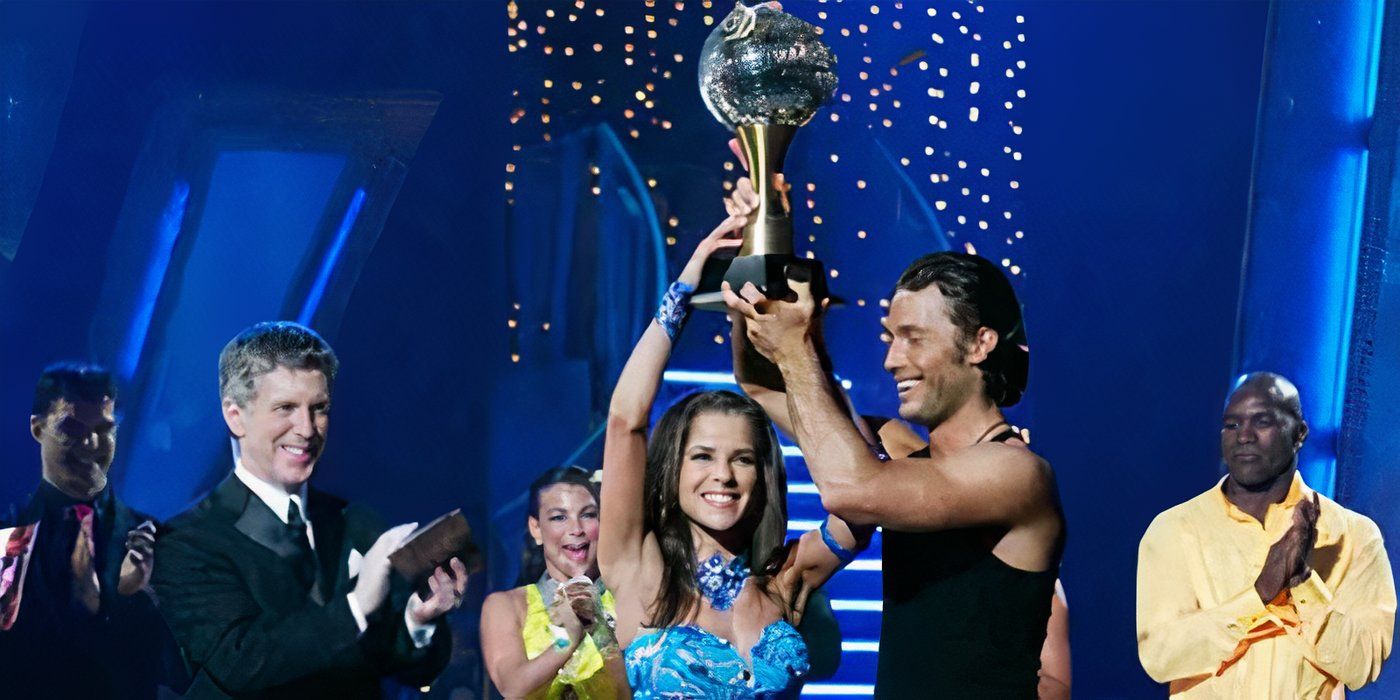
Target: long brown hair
[(677, 598)]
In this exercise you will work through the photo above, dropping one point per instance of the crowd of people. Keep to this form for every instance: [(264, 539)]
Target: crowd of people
[(674, 578)]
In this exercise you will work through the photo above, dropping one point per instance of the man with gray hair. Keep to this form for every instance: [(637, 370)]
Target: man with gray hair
[(278, 590), (1261, 587)]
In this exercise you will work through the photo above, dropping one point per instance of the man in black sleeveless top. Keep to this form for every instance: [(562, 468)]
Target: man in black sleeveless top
[(972, 526)]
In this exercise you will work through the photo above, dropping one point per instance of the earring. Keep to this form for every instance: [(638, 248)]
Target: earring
[(539, 543)]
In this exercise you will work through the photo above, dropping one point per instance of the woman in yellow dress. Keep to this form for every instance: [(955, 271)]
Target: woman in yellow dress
[(553, 639)]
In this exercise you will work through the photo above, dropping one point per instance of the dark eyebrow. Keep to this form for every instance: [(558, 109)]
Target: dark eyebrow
[(1253, 414), (73, 421)]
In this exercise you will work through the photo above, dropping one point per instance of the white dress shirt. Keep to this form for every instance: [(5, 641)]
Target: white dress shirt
[(277, 499)]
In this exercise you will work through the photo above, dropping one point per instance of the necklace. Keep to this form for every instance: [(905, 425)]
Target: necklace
[(720, 581)]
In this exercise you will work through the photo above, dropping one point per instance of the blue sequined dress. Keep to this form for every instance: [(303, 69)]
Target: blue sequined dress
[(686, 661)]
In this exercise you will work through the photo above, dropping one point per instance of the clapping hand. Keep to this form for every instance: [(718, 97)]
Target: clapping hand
[(448, 585), (372, 587), (1287, 565), (583, 597), (140, 559), (561, 614)]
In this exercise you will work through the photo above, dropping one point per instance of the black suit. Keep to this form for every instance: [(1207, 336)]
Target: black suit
[(226, 573), (56, 648)]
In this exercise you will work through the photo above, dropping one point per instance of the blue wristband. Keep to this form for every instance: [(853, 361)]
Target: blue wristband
[(845, 556), (674, 309)]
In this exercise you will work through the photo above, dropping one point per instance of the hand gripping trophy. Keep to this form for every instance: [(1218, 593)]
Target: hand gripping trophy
[(764, 73)]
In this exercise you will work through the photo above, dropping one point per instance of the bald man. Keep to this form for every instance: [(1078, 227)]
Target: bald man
[(1261, 587)]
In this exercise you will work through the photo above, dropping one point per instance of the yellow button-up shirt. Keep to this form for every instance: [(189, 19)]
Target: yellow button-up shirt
[(1202, 629)]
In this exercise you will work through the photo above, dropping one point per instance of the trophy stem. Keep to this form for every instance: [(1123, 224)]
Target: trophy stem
[(769, 230)]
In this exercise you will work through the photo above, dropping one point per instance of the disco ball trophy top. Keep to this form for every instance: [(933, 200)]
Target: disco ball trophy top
[(764, 73)]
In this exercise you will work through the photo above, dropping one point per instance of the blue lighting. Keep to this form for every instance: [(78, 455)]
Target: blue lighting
[(1308, 212), (172, 218), (634, 176), (856, 689), (1350, 206), (323, 277), (686, 376), (689, 376)]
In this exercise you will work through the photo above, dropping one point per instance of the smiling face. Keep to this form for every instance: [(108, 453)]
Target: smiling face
[(566, 526), (282, 429), (77, 440), (719, 472), (1259, 441), (929, 358)]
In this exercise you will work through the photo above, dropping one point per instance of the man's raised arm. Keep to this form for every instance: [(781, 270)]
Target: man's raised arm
[(991, 483)]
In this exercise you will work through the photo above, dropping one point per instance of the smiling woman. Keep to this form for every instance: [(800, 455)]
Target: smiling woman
[(714, 482), (552, 636), (693, 522)]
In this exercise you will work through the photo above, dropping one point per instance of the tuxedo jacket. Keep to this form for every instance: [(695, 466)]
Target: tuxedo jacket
[(227, 580), (56, 648)]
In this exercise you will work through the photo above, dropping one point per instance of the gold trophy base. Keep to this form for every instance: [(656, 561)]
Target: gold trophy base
[(769, 273)]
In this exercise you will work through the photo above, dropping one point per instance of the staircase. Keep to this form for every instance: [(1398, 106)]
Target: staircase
[(854, 591)]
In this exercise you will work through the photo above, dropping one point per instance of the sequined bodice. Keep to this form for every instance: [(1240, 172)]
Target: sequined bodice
[(691, 662)]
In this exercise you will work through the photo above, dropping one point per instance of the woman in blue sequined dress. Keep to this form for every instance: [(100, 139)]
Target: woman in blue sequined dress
[(692, 528)]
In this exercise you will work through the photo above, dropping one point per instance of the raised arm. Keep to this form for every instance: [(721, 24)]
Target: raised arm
[(989, 484), (757, 377), (762, 381), (621, 526)]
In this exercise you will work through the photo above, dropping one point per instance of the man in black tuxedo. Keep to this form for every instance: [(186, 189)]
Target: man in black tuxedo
[(263, 603), (76, 614)]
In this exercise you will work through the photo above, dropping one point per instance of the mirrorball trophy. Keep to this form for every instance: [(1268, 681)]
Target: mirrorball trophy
[(764, 73)]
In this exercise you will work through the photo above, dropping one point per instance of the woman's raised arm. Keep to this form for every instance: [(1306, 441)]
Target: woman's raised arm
[(622, 530)]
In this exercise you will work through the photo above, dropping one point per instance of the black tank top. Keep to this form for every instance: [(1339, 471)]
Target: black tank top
[(958, 622)]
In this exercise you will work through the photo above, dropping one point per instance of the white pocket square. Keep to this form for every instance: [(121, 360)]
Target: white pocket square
[(352, 565)]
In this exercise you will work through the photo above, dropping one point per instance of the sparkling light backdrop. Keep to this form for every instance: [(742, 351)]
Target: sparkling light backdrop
[(929, 102)]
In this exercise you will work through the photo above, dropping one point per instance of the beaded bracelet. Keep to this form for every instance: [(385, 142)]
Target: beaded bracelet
[(674, 308)]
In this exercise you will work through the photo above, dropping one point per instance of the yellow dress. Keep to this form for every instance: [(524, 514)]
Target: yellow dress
[(583, 674)]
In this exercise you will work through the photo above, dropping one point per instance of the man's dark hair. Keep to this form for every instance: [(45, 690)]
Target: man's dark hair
[(978, 295), (72, 380)]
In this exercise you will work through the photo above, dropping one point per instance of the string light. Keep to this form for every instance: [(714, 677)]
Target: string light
[(967, 64)]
